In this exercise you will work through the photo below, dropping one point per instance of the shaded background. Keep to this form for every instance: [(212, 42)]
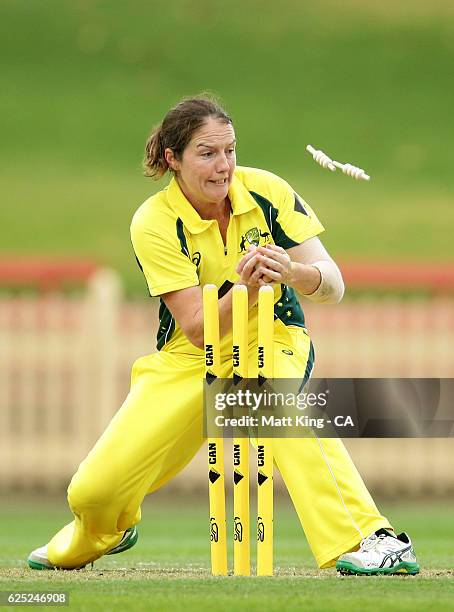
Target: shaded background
[(83, 82)]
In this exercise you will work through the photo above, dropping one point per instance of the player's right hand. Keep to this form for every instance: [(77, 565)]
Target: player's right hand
[(251, 269)]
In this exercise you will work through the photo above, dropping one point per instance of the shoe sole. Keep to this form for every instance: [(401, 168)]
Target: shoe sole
[(128, 543), (38, 566), (346, 568), (35, 565)]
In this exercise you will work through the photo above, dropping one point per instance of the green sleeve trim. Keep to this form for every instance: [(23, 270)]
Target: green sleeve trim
[(166, 325), (298, 206), (270, 213), (182, 238)]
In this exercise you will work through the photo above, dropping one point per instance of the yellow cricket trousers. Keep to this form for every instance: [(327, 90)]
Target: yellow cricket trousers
[(158, 430)]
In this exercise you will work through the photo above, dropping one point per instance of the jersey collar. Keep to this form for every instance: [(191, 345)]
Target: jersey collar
[(240, 199), (184, 209)]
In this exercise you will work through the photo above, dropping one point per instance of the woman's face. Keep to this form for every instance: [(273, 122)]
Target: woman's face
[(206, 167)]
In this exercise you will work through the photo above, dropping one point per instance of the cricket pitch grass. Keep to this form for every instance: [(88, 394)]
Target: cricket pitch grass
[(169, 568)]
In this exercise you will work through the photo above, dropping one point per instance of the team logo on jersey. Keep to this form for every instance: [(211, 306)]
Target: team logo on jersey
[(255, 237)]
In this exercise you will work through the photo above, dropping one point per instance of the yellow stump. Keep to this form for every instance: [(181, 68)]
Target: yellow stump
[(241, 526), (216, 485), (265, 446)]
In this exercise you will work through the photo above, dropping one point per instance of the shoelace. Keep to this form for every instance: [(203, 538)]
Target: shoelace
[(371, 542)]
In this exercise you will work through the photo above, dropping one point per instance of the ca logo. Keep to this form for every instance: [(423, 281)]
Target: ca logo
[(237, 529), (214, 530), (260, 529)]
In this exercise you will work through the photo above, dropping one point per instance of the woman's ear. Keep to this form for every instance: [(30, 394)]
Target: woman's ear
[(171, 160)]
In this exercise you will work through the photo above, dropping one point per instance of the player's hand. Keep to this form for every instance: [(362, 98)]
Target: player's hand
[(274, 264), (251, 271)]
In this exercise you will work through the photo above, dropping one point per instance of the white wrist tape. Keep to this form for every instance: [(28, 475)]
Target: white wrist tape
[(331, 288)]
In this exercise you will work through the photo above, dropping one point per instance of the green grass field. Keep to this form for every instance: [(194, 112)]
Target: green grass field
[(85, 81), (169, 567)]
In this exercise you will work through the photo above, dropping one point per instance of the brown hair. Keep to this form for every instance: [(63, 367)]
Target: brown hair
[(176, 130)]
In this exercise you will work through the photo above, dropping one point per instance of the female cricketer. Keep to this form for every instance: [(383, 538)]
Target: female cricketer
[(221, 224)]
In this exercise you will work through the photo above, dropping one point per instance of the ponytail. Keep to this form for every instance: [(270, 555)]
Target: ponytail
[(154, 162)]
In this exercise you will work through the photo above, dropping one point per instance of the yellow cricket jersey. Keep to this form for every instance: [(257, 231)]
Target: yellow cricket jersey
[(176, 248)]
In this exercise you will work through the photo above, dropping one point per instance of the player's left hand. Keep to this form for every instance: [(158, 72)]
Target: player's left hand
[(274, 265)]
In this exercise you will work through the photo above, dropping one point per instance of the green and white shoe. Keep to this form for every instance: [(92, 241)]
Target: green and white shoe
[(380, 553), (38, 559)]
